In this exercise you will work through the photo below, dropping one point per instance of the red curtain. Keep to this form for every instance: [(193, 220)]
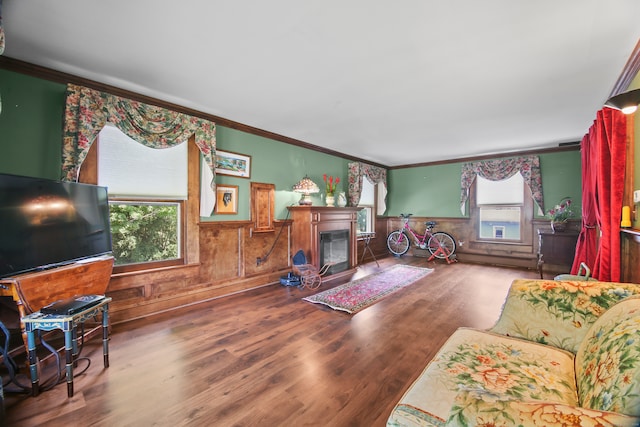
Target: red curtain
[(588, 238), (603, 169)]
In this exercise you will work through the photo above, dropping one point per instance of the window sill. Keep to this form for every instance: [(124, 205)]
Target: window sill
[(153, 270), (365, 236), (500, 242)]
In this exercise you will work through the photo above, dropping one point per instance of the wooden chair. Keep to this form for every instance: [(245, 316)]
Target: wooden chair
[(310, 276)]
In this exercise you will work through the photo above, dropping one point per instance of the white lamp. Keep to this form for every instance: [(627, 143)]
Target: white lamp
[(306, 187)]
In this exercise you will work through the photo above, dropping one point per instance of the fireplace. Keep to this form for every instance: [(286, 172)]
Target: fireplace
[(334, 249), (326, 234)]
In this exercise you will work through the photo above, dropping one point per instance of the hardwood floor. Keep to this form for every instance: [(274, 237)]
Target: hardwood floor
[(265, 357)]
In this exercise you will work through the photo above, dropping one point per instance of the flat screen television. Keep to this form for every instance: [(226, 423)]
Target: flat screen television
[(46, 223)]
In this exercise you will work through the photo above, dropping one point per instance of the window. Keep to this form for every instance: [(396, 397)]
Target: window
[(147, 193), (145, 231), (366, 216), (500, 206)]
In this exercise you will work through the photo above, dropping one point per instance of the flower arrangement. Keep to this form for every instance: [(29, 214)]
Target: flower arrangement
[(561, 212), (330, 183)]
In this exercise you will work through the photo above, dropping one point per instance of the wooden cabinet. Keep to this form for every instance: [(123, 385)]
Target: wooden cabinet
[(263, 200), (630, 256), (556, 250)]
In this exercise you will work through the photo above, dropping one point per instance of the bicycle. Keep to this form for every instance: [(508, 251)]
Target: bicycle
[(440, 244)]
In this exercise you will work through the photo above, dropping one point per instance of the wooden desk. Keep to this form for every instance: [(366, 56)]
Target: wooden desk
[(32, 291), (557, 249)]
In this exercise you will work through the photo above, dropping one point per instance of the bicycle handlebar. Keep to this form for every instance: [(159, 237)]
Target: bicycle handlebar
[(430, 224)]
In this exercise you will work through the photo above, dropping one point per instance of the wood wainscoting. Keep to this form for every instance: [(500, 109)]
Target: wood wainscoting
[(228, 263), (469, 249), (630, 256), (229, 253), (234, 258)]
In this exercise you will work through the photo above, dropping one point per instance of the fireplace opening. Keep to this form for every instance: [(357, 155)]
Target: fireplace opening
[(334, 249)]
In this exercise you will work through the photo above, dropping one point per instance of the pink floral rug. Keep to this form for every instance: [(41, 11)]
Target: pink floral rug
[(361, 293)]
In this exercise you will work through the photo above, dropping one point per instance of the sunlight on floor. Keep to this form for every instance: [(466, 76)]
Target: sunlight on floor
[(364, 323)]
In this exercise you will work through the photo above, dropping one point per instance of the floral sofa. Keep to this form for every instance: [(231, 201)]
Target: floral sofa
[(563, 353)]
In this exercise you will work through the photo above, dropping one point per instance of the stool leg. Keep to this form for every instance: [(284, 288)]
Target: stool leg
[(105, 335), (3, 419), (33, 361), (74, 343), (68, 350)]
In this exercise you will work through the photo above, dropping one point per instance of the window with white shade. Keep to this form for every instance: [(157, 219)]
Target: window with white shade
[(131, 169), (147, 188), (366, 215), (500, 208)]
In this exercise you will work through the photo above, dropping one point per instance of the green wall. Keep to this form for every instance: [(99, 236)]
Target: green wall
[(434, 191), (31, 135), (561, 177), (31, 125), (276, 163)]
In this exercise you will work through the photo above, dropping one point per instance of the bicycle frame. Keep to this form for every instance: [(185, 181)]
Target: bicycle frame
[(420, 240)]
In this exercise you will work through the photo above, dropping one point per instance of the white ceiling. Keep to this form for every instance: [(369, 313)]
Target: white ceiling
[(392, 82)]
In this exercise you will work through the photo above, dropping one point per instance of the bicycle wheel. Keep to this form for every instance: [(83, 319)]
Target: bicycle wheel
[(398, 243), (443, 240)]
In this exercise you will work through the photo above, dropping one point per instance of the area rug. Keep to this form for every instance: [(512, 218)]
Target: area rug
[(361, 293)]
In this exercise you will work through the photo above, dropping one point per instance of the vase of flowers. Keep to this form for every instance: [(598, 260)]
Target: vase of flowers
[(330, 184), (560, 215)]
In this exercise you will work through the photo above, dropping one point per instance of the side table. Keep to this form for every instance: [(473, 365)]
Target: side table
[(366, 239), (68, 324), (557, 249)]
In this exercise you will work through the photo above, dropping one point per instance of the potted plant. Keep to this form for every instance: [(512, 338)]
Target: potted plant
[(560, 215), (331, 185)]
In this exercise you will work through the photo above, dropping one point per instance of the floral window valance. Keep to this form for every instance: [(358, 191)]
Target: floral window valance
[(374, 174), (88, 110), (499, 169)]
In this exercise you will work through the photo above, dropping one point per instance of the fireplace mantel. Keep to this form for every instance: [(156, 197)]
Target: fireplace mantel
[(310, 221)]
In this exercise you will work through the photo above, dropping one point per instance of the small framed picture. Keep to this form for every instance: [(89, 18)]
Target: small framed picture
[(233, 164), (226, 199)]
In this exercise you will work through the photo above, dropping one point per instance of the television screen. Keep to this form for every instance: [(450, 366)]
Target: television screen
[(46, 223)]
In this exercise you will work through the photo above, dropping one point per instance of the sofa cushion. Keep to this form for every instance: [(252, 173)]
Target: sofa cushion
[(558, 313), (519, 413), (608, 361), (488, 365)]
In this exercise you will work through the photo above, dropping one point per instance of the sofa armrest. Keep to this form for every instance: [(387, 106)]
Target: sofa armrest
[(478, 411), (557, 313)]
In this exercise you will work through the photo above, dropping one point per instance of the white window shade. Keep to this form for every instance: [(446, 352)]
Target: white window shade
[(130, 169), (506, 192), (367, 195)]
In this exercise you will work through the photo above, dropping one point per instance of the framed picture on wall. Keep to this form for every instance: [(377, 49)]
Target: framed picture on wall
[(233, 164), (226, 199)]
